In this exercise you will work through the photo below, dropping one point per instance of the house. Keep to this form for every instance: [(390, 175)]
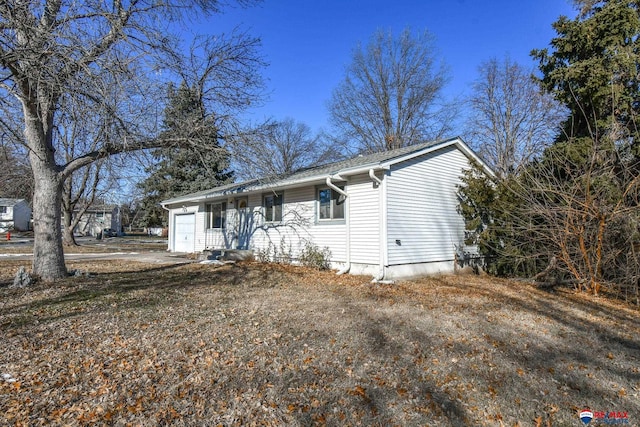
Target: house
[(391, 214), (15, 214), (97, 218)]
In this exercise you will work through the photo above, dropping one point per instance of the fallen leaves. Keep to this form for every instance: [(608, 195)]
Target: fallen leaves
[(188, 345), (358, 391)]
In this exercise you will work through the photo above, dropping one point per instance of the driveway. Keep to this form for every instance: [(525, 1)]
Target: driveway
[(107, 249)]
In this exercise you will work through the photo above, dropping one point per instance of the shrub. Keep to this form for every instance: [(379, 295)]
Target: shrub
[(314, 257)]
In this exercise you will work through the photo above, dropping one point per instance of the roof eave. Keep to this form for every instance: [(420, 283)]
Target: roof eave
[(278, 185), (457, 141)]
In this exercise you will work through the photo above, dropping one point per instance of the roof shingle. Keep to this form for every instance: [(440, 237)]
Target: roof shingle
[(319, 171)]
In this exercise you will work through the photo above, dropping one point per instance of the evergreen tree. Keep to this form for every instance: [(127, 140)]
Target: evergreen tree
[(593, 68), (576, 209), (183, 170)]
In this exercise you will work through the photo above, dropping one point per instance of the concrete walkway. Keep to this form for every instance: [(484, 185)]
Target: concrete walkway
[(151, 257)]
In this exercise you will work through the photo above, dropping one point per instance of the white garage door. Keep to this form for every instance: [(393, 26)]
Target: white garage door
[(184, 235)]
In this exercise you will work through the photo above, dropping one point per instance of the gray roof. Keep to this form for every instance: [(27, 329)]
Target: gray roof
[(310, 173), (10, 202)]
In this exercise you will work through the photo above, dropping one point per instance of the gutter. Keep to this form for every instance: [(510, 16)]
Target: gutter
[(373, 177), (279, 185)]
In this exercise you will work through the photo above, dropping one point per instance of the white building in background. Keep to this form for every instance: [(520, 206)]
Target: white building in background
[(97, 218), (15, 214)]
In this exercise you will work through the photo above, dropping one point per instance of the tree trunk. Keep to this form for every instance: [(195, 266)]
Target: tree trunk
[(67, 215), (48, 255), (68, 239)]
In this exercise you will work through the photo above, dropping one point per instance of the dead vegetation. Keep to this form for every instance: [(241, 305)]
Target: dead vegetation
[(109, 245), (257, 344)]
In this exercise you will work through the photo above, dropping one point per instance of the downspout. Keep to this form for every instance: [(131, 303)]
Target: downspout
[(374, 178), (380, 278), (347, 265), (332, 186)]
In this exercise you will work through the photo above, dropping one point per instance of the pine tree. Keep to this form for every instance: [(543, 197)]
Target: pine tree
[(574, 213), (182, 170), (593, 69)]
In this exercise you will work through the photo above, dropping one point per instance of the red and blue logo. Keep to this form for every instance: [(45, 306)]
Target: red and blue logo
[(586, 416), (604, 417)]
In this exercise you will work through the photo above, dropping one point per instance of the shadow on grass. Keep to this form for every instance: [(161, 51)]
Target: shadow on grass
[(599, 341), (149, 288), (387, 384), (386, 343), (521, 376)]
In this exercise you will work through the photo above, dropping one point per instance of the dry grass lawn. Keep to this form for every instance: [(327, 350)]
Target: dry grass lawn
[(255, 344)]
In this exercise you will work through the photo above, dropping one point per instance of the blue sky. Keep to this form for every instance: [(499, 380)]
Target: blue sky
[(308, 44)]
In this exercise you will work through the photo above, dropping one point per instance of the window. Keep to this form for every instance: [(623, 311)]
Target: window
[(330, 204), (241, 204), (273, 207), (3, 209), (216, 215)]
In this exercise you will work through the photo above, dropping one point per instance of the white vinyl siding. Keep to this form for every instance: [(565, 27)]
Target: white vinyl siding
[(297, 226), (332, 236), (15, 215), (423, 223), (281, 237), (364, 217), (210, 238)]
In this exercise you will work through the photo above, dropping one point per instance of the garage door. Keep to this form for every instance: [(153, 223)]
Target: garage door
[(184, 235)]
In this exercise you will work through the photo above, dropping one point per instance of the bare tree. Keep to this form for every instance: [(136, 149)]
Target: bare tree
[(280, 147), (80, 129), (563, 218), (79, 192), (16, 179), (53, 52), (512, 119), (585, 213), (390, 94)]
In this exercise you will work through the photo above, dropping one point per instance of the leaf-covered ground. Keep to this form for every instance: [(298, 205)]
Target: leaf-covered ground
[(255, 344)]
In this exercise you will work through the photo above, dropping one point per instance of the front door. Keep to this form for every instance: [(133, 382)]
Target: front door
[(243, 227)]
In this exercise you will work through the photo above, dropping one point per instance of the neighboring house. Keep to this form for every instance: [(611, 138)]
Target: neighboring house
[(392, 214), (15, 214), (97, 218)]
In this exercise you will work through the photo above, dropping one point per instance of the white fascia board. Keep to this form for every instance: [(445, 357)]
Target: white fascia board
[(186, 199), (473, 156), (422, 152), (458, 142)]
